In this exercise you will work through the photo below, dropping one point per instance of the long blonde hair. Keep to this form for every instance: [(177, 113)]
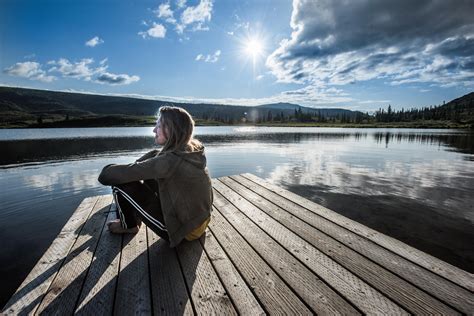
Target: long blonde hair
[(178, 128)]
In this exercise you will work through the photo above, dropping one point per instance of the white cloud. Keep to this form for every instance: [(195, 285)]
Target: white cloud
[(26, 69), (157, 31), (195, 17), (199, 27), (164, 12), (242, 25), (312, 95), (198, 14), (191, 18), (114, 79), (80, 70), (237, 26), (307, 96), (399, 41), (374, 102), (209, 58), (181, 3), (94, 41), (259, 77), (29, 69)]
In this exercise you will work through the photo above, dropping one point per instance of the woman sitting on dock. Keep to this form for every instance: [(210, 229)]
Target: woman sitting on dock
[(168, 189)]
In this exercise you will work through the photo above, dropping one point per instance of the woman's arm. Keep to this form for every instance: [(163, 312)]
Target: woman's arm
[(148, 155), (152, 168)]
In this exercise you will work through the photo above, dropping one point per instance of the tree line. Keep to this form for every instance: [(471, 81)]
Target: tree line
[(457, 112)]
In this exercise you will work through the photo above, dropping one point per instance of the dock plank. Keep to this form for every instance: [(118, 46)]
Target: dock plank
[(206, 290), (435, 285), (273, 294), (29, 295), (133, 294), (240, 294), (386, 282), (359, 293), (64, 291), (444, 269), (97, 294), (168, 290)]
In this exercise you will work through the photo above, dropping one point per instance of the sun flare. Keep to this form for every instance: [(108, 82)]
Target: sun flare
[(253, 48)]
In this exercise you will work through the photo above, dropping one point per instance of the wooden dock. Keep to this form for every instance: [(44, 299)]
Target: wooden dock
[(266, 251)]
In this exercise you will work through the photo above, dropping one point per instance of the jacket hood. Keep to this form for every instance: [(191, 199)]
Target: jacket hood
[(196, 158)]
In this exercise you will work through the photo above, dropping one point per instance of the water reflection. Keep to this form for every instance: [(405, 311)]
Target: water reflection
[(21, 151), (444, 183), (459, 142), (31, 150)]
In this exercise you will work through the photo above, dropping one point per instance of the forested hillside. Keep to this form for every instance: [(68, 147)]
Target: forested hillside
[(28, 107)]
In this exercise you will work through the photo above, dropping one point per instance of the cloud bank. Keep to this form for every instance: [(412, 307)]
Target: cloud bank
[(399, 41), (83, 69), (30, 70)]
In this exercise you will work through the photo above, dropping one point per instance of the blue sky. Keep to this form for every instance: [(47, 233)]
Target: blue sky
[(360, 55)]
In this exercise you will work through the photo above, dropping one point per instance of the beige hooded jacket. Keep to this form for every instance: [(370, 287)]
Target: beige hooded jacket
[(184, 186)]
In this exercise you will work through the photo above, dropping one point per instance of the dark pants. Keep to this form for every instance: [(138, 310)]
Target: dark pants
[(140, 201)]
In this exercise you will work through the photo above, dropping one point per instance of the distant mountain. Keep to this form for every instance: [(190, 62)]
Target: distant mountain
[(280, 106), (19, 104), (290, 108)]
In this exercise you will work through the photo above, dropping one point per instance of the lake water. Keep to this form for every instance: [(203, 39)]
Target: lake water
[(414, 185)]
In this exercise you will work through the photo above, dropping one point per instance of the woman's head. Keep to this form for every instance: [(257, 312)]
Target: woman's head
[(174, 129)]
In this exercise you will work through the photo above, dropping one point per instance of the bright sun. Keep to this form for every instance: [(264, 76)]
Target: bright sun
[(253, 48)]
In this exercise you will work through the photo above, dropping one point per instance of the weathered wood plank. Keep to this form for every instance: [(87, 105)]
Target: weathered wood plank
[(444, 290), (64, 291), (417, 302), (206, 290), (97, 295), (133, 296), (242, 297), (444, 269), (359, 293), (168, 290), (30, 293), (273, 294)]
